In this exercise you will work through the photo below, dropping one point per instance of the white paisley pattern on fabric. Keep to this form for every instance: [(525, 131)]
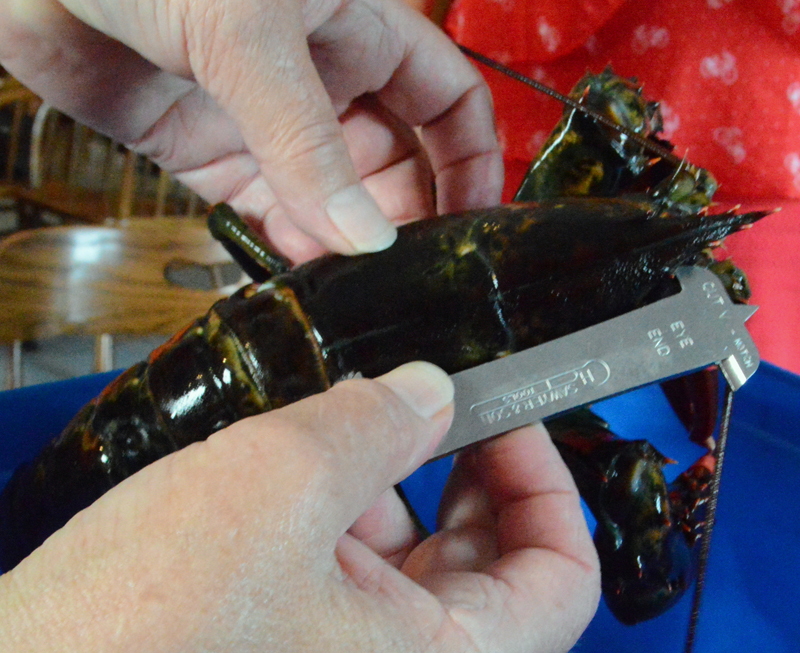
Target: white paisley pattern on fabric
[(649, 36), (721, 66)]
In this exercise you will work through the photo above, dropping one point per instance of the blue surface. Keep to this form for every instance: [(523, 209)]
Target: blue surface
[(752, 590)]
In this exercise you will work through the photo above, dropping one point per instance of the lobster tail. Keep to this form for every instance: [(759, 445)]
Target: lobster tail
[(36, 502), (205, 378)]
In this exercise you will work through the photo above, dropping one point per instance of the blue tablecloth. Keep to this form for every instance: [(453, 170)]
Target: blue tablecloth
[(752, 590)]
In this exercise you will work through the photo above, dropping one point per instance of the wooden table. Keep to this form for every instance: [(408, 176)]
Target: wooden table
[(82, 280)]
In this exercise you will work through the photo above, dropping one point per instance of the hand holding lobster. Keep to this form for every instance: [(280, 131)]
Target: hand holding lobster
[(281, 107), (258, 531)]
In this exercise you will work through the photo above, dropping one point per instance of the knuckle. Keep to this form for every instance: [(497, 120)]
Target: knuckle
[(302, 138), (213, 33)]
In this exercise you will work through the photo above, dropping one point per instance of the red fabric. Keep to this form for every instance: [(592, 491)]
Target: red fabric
[(727, 75)]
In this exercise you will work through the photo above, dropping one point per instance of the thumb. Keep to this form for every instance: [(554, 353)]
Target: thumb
[(363, 436), (265, 79)]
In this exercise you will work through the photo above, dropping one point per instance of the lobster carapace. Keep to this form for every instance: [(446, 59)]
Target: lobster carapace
[(458, 291)]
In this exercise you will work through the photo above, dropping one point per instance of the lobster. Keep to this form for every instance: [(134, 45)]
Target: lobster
[(458, 291)]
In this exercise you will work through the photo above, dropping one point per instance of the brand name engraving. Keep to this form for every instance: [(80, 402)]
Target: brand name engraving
[(542, 392)]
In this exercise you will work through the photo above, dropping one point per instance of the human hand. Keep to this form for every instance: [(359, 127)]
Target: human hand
[(277, 107), (282, 533)]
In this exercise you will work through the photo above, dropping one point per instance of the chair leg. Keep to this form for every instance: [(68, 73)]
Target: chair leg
[(161, 192), (14, 379), (104, 353), (128, 189)]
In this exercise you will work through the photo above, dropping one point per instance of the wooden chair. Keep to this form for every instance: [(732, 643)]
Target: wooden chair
[(18, 106), (83, 177), (96, 281)]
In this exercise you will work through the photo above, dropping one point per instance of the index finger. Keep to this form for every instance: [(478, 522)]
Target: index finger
[(453, 104), (541, 586), (547, 558), (419, 74)]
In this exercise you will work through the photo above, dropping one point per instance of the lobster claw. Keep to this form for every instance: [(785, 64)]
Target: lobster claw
[(663, 578), (646, 562)]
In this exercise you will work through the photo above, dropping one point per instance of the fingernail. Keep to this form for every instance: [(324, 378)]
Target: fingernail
[(425, 388), (357, 216)]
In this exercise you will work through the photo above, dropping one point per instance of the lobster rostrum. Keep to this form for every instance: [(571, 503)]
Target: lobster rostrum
[(458, 291)]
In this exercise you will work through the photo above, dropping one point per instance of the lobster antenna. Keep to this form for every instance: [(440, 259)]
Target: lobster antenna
[(711, 516), (646, 143)]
